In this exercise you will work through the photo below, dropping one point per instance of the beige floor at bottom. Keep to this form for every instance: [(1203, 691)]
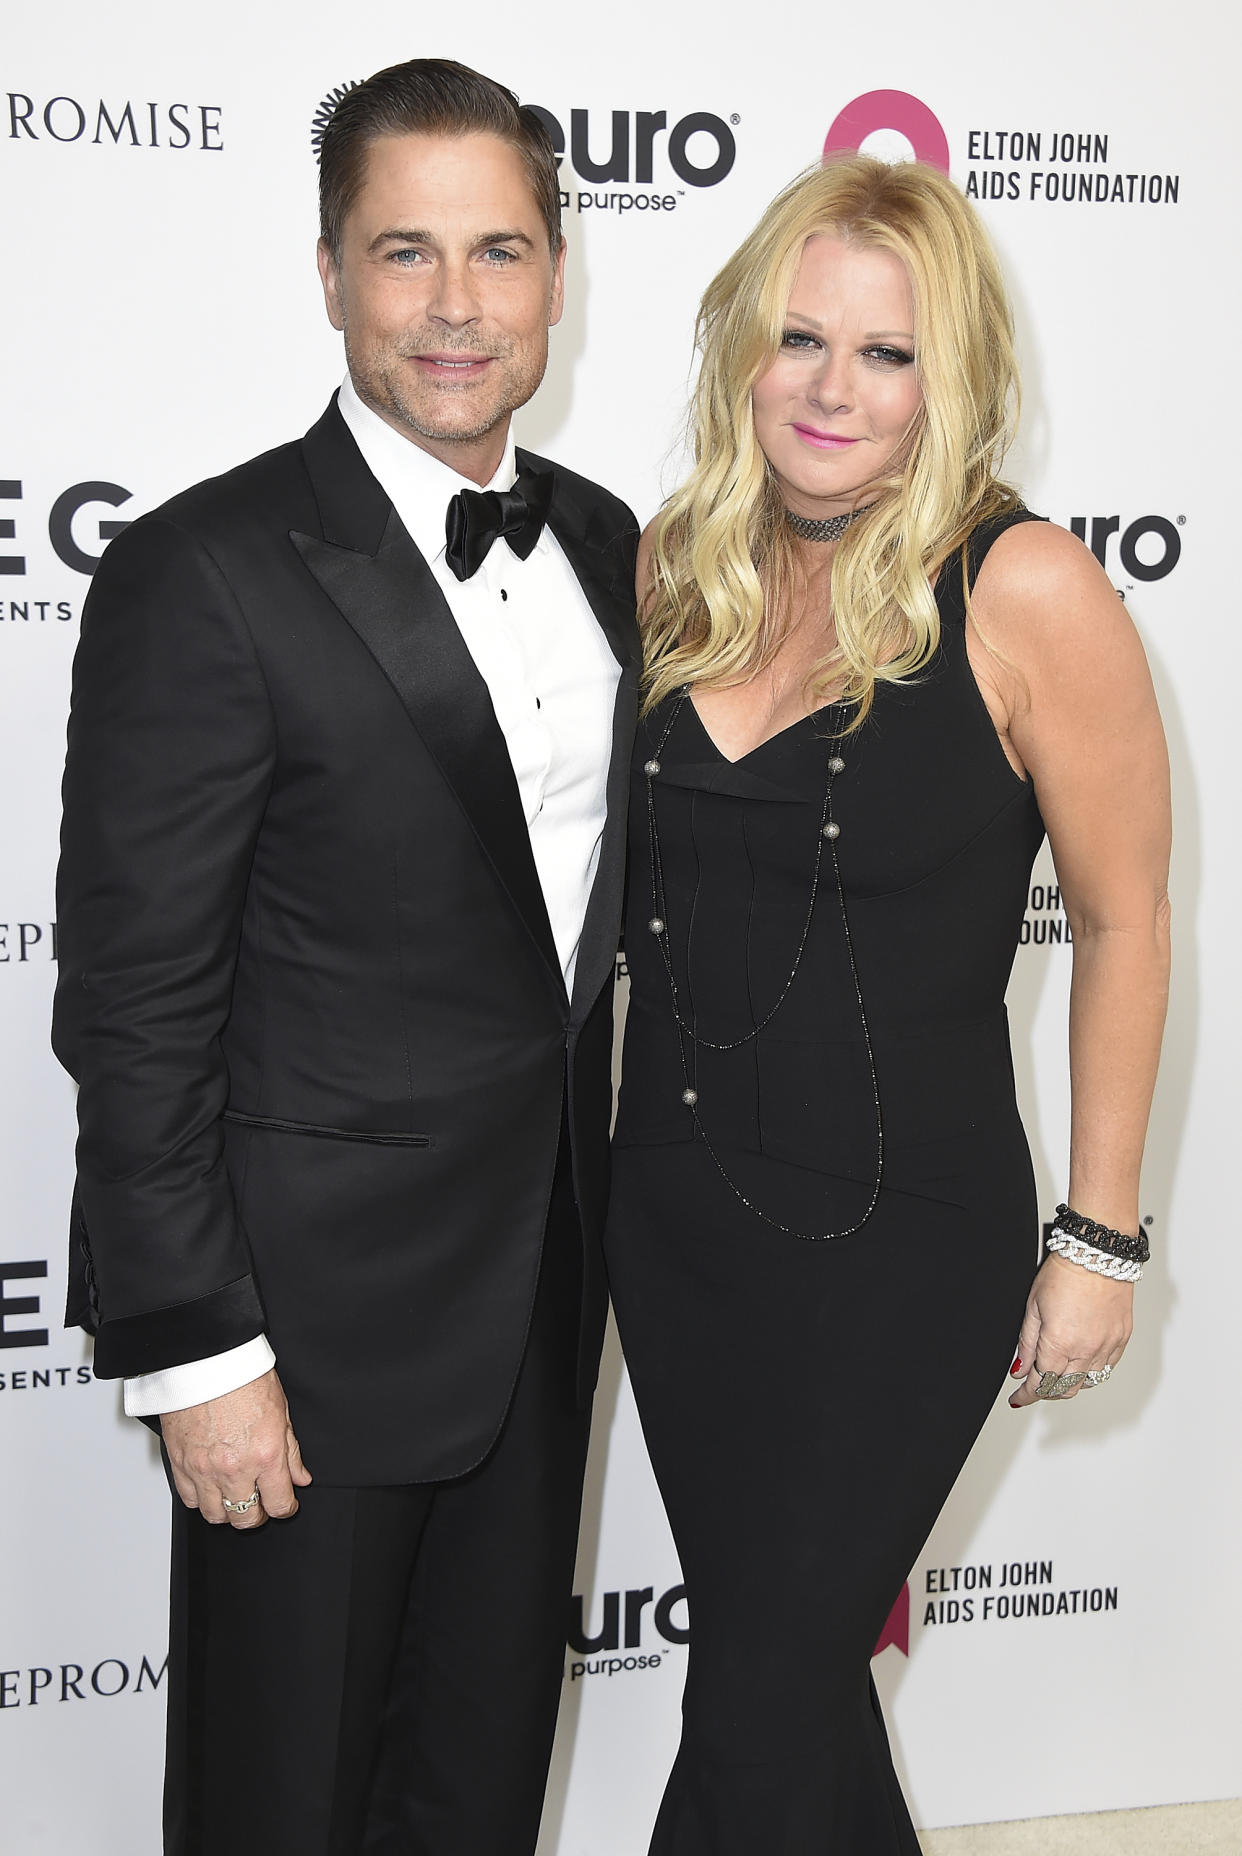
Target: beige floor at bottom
[(1167, 1830)]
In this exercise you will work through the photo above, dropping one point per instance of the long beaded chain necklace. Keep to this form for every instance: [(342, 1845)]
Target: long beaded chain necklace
[(828, 834)]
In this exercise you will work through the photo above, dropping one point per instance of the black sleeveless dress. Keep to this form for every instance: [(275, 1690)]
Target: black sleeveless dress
[(808, 1405)]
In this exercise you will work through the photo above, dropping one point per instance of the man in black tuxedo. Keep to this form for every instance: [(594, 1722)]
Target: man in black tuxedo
[(339, 895)]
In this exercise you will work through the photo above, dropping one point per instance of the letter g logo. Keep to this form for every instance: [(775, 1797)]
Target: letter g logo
[(895, 110)]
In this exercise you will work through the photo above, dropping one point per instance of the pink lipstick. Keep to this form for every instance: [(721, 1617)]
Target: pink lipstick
[(823, 441)]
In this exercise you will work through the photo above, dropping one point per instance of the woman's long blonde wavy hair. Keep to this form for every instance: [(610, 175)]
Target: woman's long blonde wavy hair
[(724, 572)]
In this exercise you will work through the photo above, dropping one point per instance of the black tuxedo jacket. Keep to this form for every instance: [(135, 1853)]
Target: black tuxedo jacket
[(308, 985)]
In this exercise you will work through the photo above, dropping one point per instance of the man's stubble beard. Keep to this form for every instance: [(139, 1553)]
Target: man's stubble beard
[(383, 386)]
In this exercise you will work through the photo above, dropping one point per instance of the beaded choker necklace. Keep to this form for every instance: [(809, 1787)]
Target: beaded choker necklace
[(829, 528), (689, 1040)]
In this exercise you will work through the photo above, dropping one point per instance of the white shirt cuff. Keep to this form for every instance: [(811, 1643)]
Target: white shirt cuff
[(178, 1387)]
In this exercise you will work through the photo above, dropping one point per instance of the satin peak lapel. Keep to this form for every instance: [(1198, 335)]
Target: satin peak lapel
[(585, 539), (392, 601)]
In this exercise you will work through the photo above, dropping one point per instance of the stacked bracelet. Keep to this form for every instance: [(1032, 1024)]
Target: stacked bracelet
[(1112, 1243), (1097, 1248), (1121, 1270)]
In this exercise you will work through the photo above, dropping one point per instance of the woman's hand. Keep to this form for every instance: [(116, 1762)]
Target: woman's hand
[(1076, 1322)]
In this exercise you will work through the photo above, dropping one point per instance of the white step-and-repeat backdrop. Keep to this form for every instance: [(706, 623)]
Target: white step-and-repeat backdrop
[(1071, 1635)]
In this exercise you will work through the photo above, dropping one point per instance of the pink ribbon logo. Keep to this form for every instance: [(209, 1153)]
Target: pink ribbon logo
[(890, 109), (897, 1630)]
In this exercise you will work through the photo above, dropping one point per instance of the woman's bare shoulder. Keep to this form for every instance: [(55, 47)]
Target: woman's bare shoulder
[(1037, 556), (1040, 588)]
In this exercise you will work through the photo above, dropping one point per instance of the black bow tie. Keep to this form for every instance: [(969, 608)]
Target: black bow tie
[(476, 517)]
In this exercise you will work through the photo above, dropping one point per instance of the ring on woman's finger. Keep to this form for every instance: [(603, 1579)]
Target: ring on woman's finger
[(1099, 1377), (1056, 1385), (251, 1501)]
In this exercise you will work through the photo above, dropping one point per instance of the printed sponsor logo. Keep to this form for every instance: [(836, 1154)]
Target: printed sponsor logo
[(622, 1646), (21, 1328), (897, 1629), (1043, 167), (13, 1308), (997, 1594), (891, 124), (112, 122), (61, 1682), (323, 115), (618, 1647), (1145, 547), (1044, 924), (78, 532), (1065, 167), (21, 942), (640, 149)]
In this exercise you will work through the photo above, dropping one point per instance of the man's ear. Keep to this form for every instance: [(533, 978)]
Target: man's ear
[(330, 278), (556, 302)]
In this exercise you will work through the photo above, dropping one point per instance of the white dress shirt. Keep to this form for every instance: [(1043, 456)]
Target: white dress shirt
[(552, 679)]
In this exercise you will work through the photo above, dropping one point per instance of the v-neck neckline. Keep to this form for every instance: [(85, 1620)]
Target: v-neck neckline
[(767, 741)]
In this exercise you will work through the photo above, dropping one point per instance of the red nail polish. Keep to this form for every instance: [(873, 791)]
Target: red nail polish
[(1016, 1368)]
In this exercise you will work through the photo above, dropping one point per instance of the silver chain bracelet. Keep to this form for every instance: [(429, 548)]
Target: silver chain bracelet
[(1120, 1269)]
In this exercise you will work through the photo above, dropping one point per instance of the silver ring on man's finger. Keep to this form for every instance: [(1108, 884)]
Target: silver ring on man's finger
[(251, 1501)]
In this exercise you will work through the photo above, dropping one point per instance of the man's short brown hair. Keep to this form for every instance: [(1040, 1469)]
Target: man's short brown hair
[(429, 96)]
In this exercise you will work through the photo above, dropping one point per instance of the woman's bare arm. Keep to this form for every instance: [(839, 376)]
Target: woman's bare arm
[(1069, 688)]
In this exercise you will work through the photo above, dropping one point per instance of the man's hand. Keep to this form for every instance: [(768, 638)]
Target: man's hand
[(231, 1446)]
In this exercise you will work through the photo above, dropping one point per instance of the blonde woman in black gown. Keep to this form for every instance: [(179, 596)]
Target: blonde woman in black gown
[(874, 683)]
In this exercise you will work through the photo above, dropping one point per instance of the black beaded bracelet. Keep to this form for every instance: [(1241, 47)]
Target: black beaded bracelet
[(1100, 1237)]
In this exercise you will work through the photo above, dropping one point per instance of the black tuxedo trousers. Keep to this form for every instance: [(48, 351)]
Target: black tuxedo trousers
[(380, 1676)]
